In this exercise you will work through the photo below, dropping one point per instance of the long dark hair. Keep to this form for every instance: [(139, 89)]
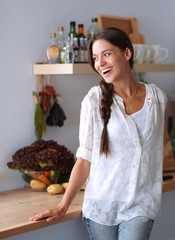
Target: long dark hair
[(120, 39)]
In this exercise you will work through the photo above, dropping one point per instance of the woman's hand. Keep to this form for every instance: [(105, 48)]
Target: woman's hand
[(50, 215)]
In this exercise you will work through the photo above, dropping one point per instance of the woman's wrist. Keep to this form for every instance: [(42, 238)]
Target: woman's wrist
[(63, 206)]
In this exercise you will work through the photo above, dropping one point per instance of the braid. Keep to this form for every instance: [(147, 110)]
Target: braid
[(105, 111)]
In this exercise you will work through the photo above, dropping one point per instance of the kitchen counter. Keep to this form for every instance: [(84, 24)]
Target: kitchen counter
[(17, 206)]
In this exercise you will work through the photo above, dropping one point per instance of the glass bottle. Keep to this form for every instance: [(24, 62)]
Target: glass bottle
[(61, 44), (170, 125), (72, 32), (171, 133), (69, 53), (93, 29), (80, 33), (75, 49), (85, 50), (81, 51), (53, 50)]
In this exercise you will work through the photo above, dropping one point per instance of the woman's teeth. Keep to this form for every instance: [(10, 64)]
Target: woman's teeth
[(106, 71)]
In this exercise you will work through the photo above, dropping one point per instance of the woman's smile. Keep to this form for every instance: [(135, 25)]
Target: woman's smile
[(106, 71)]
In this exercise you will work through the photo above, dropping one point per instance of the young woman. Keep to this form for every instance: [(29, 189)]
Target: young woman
[(121, 145)]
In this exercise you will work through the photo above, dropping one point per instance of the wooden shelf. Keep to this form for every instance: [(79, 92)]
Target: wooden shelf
[(44, 69), (47, 69), (154, 67)]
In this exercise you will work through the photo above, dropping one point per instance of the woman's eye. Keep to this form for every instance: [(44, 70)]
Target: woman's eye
[(94, 58), (107, 54)]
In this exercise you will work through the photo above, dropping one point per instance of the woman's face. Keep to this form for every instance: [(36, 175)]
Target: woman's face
[(109, 61)]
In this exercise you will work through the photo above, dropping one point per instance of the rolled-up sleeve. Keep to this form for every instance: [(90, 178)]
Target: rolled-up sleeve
[(85, 130)]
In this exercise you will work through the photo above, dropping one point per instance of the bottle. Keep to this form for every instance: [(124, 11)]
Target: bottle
[(69, 53), (140, 78), (72, 32), (85, 50), (171, 133), (81, 51), (75, 49), (170, 125), (53, 51), (61, 44), (80, 33), (93, 29)]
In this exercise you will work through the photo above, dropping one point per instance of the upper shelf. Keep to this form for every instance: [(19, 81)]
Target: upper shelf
[(80, 68)]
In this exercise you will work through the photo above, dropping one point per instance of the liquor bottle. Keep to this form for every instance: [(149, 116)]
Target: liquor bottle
[(85, 50), (81, 51), (93, 29), (80, 33), (69, 53), (61, 44), (53, 51), (72, 32), (75, 49)]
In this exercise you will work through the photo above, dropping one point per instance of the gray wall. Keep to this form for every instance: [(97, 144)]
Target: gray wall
[(25, 26)]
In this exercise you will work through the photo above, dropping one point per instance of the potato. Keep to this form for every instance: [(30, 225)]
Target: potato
[(55, 189), (37, 185), (64, 185)]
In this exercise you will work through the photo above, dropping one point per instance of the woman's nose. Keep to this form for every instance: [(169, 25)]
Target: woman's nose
[(101, 61)]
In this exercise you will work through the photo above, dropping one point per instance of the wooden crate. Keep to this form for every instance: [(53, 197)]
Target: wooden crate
[(128, 25)]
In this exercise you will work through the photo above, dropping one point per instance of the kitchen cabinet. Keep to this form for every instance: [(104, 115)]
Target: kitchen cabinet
[(53, 69)]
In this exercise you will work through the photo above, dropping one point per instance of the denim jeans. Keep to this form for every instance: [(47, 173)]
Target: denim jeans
[(138, 228)]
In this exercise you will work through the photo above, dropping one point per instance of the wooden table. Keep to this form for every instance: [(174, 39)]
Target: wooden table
[(17, 206)]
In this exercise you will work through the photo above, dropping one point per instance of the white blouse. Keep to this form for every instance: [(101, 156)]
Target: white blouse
[(129, 182), (140, 118)]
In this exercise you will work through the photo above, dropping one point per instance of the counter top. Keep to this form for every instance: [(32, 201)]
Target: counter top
[(17, 206)]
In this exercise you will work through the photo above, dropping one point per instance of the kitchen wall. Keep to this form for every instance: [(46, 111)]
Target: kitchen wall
[(25, 26)]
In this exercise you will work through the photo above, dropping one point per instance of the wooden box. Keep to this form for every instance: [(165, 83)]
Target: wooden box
[(128, 25)]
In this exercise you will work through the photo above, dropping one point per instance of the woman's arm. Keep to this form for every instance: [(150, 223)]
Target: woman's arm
[(79, 174)]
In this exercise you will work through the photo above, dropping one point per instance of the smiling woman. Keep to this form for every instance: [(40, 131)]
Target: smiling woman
[(120, 121), (111, 55)]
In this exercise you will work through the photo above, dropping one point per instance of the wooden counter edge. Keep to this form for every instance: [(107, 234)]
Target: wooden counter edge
[(30, 226)]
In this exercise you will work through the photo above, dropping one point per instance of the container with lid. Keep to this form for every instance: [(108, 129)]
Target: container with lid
[(53, 50)]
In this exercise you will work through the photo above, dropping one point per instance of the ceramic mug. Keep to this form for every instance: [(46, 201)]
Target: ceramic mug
[(137, 52), (142, 53), (158, 53)]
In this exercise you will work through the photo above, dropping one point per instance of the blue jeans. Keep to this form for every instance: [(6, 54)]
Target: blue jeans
[(138, 228)]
